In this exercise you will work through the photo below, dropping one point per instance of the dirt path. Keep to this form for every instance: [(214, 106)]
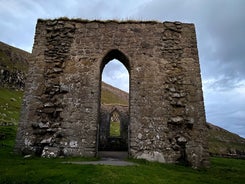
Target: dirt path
[(112, 162), (108, 158)]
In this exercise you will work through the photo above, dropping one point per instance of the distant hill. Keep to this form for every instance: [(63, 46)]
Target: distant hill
[(13, 68), (112, 95), (224, 143)]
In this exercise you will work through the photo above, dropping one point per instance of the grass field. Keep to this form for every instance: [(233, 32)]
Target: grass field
[(16, 169), (115, 128), (107, 97), (10, 102)]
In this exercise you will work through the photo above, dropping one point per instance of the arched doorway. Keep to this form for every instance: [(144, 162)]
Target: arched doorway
[(115, 124), (114, 107)]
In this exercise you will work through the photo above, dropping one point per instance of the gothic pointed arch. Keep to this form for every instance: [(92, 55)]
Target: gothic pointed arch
[(115, 54)]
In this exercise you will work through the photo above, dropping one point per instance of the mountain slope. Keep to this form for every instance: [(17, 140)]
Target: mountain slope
[(13, 70), (225, 143), (13, 66), (112, 95)]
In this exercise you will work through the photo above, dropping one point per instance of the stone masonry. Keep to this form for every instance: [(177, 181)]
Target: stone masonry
[(61, 109)]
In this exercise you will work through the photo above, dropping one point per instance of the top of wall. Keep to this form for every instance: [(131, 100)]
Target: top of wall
[(111, 21)]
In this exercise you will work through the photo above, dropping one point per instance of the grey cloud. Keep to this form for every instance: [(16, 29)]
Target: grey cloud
[(225, 83), (116, 74), (219, 26), (18, 17), (223, 116), (226, 30), (225, 107)]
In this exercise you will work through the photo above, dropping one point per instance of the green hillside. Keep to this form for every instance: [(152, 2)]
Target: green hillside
[(12, 58), (10, 103), (224, 143), (107, 97)]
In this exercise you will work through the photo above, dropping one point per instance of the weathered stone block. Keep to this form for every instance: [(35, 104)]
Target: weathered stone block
[(50, 152)]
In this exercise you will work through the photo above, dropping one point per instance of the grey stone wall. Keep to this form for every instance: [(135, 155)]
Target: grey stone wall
[(61, 109)]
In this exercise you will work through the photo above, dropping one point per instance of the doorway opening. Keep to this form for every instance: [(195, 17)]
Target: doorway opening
[(115, 124), (114, 104)]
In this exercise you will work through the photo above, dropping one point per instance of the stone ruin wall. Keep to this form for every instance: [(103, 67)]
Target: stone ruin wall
[(61, 108)]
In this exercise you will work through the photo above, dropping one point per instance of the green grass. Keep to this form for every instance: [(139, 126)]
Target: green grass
[(16, 169), (7, 136), (115, 129), (10, 103)]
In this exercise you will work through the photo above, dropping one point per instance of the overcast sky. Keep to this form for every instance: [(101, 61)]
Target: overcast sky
[(220, 28)]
